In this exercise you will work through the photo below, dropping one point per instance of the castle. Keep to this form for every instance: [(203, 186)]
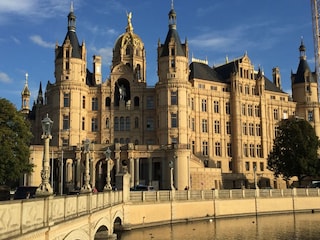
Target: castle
[(199, 127)]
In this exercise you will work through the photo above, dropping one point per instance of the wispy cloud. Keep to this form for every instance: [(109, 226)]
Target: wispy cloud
[(4, 78), (39, 41)]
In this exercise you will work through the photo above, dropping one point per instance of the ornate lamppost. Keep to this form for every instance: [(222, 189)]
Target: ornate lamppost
[(108, 186), (255, 177), (86, 186), (45, 188), (171, 174)]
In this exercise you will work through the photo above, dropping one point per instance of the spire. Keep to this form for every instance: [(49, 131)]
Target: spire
[(40, 95), (172, 18), (71, 20)]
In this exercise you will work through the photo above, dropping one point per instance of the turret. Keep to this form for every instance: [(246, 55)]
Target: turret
[(25, 97)]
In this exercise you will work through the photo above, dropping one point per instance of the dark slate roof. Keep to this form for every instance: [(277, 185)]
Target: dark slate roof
[(89, 79), (222, 74), (302, 68), (76, 48), (203, 71), (172, 33)]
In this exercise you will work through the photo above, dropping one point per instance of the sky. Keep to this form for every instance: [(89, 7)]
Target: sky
[(270, 32)]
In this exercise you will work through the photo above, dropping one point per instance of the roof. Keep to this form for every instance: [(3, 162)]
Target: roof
[(172, 33), (222, 74), (302, 68)]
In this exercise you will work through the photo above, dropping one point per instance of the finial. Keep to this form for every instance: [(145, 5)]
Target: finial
[(171, 4), (71, 6), (27, 78)]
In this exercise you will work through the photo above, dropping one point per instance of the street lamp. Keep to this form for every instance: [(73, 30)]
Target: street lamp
[(45, 188), (108, 186), (255, 177), (86, 186)]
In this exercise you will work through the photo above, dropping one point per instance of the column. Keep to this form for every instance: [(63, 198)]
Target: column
[(132, 182), (150, 171), (136, 175)]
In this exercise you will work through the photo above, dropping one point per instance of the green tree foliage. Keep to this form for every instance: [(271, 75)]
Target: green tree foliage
[(15, 139), (294, 150)]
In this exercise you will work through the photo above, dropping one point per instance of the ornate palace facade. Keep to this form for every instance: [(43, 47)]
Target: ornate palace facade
[(205, 127)]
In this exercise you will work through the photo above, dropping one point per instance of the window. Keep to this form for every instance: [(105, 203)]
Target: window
[(205, 148), (254, 165), (107, 123), (174, 98), (246, 89), (310, 115), (83, 123), (245, 150), (192, 124), (127, 127), (228, 127), (216, 107), (261, 166), (204, 125), (204, 105), (218, 164), (150, 103), (250, 110), (108, 102), (229, 150), (66, 100), (228, 108), (216, 126), (173, 63), (116, 124), (83, 102), (193, 147), (247, 166), (66, 122), (218, 148), (275, 114), (121, 123), (252, 152), (94, 104), (259, 151), (172, 52), (257, 111), (230, 165), (174, 120), (136, 122), (136, 101), (258, 130), (192, 104), (65, 142), (150, 124), (243, 109), (251, 129), (94, 124), (276, 131), (244, 128)]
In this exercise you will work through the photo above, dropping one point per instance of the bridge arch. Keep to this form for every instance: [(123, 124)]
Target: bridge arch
[(103, 224), (77, 234)]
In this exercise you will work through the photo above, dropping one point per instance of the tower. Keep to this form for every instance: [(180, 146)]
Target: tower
[(173, 90)]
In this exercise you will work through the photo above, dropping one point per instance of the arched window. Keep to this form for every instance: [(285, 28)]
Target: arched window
[(136, 122), (107, 123), (138, 71), (128, 50)]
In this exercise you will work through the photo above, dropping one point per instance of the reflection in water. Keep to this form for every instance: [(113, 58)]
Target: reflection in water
[(303, 226)]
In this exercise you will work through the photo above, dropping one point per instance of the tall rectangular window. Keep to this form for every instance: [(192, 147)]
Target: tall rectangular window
[(66, 100), (150, 125), (83, 123), (174, 120), (310, 115), (66, 122), (174, 98), (229, 150), (193, 124), (204, 125), (204, 105), (150, 102), (83, 102), (218, 148), (94, 124), (228, 108), (258, 130), (216, 107), (205, 148), (216, 126), (94, 104), (228, 127)]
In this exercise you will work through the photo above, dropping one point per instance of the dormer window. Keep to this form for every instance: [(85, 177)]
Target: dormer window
[(173, 52)]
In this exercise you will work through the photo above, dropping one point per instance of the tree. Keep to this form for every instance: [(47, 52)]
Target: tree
[(294, 150), (15, 137)]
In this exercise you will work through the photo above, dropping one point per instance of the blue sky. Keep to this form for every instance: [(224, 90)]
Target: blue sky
[(269, 31)]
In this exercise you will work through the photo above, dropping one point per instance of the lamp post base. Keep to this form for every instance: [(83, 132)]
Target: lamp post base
[(44, 190), (86, 189)]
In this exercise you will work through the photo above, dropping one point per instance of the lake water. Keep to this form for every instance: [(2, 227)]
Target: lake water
[(302, 226)]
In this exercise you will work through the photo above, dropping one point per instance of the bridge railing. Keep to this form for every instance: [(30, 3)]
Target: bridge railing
[(21, 216), (166, 195)]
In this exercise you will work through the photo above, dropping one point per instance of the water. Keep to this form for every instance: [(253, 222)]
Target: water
[(302, 226)]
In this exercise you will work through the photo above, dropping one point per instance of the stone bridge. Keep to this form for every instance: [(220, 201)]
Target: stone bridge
[(99, 216)]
